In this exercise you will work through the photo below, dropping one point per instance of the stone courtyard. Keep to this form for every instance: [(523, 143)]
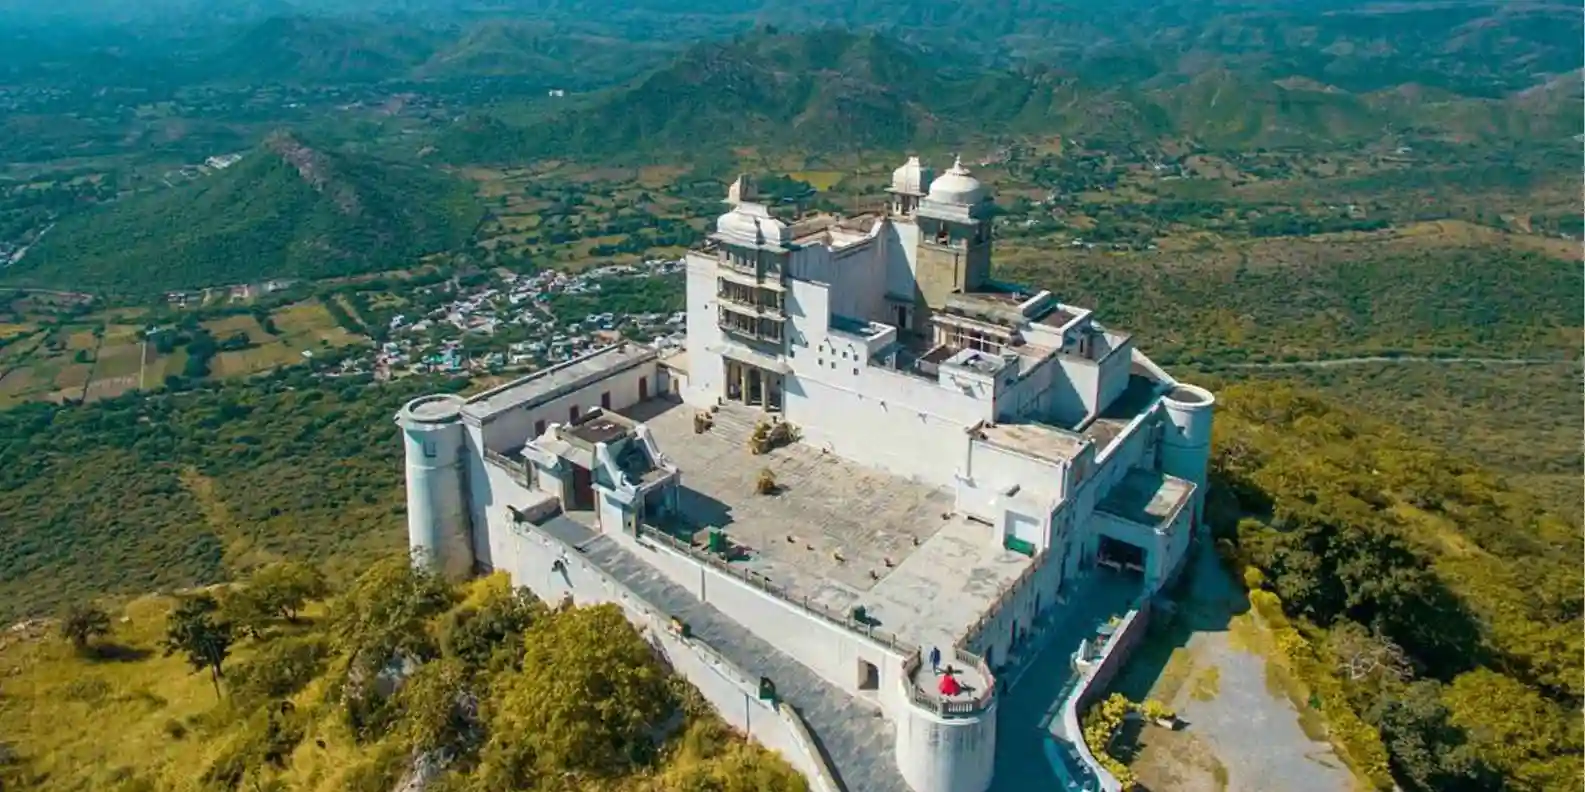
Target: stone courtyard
[(835, 533)]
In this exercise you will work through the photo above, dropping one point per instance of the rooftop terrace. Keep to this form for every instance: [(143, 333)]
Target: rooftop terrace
[(558, 380), (836, 534), (1137, 396), (1038, 440), (1147, 497), (599, 426)]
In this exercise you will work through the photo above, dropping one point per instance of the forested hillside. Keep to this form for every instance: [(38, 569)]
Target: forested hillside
[(1442, 607), (151, 492), (401, 676), (286, 210)]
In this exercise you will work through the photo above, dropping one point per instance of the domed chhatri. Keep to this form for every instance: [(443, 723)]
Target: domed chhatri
[(957, 186), (911, 178), (752, 224)]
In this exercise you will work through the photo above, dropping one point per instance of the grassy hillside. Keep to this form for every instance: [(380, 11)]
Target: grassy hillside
[(497, 680), (1521, 421), (286, 210)]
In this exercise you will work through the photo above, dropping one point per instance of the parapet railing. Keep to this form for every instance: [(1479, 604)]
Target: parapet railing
[(829, 615), (518, 469), (1090, 684), (977, 703), (824, 780), (1002, 597)]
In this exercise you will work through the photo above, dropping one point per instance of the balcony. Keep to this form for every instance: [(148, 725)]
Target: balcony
[(752, 322)]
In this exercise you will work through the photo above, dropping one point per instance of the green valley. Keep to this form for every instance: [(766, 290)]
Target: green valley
[(233, 242)]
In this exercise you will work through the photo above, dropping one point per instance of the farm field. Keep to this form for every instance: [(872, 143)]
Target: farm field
[(95, 358)]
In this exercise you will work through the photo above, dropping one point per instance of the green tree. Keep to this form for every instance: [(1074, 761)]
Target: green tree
[(381, 626), (81, 624), (439, 708), (284, 588), (1428, 752), (491, 633), (584, 704), (1533, 742), (195, 631)]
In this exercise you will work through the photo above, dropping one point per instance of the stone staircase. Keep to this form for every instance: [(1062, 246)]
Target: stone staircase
[(735, 422), (857, 741)]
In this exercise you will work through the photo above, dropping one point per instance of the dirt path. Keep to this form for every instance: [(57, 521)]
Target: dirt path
[(1243, 733)]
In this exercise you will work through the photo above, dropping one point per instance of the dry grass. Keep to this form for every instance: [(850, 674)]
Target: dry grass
[(819, 179), (1208, 684), (117, 360), (87, 724), (242, 362), (81, 339), (224, 328), (110, 387), (74, 376), (309, 321)]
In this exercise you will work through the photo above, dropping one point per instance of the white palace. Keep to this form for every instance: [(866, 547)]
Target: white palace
[(963, 469)]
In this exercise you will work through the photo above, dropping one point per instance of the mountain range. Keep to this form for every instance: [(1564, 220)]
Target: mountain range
[(285, 210), (835, 88), (1484, 48)]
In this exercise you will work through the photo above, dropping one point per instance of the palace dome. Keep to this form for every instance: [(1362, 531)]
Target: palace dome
[(751, 224), (911, 178), (957, 186)]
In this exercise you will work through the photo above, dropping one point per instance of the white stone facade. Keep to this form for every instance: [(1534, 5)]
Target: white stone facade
[(1053, 443)]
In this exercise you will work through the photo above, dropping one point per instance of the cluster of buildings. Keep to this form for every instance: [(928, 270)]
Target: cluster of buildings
[(522, 301), (966, 460)]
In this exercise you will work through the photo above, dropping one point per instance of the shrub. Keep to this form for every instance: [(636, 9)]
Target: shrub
[(766, 483), (1101, 723), (280, 669)]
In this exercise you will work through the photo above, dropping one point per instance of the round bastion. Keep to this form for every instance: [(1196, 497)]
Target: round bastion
[(1189, 397), (437, 408)]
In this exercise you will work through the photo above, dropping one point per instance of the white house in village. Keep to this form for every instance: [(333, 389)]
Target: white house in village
[(970, 457)]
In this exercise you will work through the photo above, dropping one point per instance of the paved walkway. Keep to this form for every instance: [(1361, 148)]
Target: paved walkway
[(858, 741), (1033, 754)]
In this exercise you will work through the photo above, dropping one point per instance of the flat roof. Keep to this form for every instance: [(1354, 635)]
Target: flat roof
[(1038, 440), (1137, 397), (1147, 497), (599, 427), (922, 573), (834, 230), (433, 409), (557, 381)]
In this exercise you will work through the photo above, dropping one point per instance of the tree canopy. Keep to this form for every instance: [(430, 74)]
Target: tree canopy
[(1448, 602)]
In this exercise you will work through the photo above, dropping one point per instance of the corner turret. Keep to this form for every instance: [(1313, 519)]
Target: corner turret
[(438, 534), (1186, 443)]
